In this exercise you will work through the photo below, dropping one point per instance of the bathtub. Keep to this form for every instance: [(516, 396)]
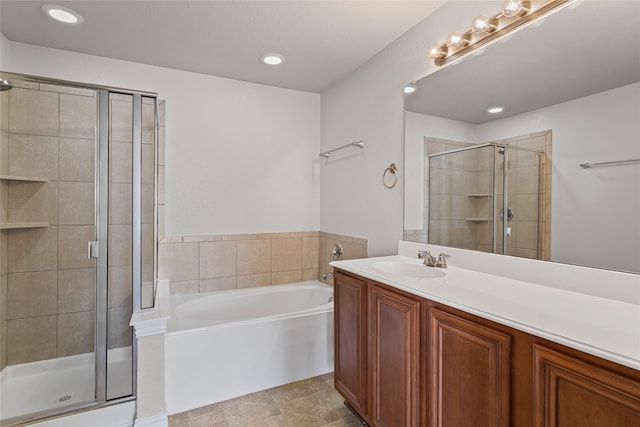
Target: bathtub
[(227, 344)]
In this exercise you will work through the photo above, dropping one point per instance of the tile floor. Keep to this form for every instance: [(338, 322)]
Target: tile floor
[(307, 403)]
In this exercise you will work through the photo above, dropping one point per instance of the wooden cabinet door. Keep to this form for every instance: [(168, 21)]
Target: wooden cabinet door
[(569, 392), (394, 357), (350, 376), (468, 373)]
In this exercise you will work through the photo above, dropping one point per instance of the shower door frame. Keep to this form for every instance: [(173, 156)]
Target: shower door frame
[(102, 172), (505, 189)]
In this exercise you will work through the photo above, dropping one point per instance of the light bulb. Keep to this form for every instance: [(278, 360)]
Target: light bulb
[(62, 14), (436, 52), (511, 8), (481, 25), (454, 39), (495, 110)]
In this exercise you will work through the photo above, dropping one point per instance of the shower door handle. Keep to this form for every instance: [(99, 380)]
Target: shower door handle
[(92, 249)]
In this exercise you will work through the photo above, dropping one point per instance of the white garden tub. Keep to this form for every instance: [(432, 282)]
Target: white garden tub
[(227, 344)]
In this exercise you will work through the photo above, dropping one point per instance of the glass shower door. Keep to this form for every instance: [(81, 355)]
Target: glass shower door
[(47, 207)]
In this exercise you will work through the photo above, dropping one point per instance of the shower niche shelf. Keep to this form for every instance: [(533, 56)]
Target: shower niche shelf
[(23, 178), (21, 225), (476, 219), (479, 195)]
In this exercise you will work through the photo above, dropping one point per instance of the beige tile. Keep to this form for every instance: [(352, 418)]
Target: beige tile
[(310, 274), (120, 285), (75, 333), (31, 339), (286, 254), (120, 245), (3, 345), (77, 160), (273, 235), (119, 329), (4, 201), (239, 236), (282, 277), (161, 146), (33, 201), (219, 284), (121, 162), (77, 116), (32, 155), (76, 203), (148, 164), (217, 259), (527, 236), (76, 290), (4, 111), (147, 203), (304, 234), (121, 119), (4, 152), (147, 122), (253, 280), (120, 204), (202, 238), (31, 294), (178, 262), (298, 389), (25, 84), (3, 252), (32, 249), (161, 184), (528, 179), (183, 287), (66, 89), (3, 297), (254, 256), (162, 112), (72, 246), (33, 112), (317, 409)]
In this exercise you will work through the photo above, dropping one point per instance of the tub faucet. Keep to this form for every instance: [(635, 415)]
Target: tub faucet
[(431, 261)]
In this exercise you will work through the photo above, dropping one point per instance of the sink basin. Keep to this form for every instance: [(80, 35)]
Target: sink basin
[(408, 269)]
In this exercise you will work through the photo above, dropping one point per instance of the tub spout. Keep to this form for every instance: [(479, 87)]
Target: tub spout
[(326, 276)]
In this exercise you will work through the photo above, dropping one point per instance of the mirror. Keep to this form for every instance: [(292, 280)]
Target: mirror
[(570, 88)]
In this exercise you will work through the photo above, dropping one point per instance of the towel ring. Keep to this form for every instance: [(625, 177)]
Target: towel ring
[(393, 170)]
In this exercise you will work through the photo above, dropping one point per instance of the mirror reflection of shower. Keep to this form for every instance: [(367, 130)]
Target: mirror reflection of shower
[(471, 186)]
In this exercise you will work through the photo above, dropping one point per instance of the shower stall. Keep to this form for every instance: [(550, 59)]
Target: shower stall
[(77, 243), (490, 198)]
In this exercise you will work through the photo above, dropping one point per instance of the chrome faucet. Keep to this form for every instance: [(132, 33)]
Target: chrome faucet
[(431, 261)]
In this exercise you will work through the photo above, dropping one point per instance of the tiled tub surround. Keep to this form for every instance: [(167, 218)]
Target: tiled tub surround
[(195, 264)]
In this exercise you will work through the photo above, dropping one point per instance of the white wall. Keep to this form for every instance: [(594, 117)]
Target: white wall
[(369, 104), (416, 128), (240, 157)]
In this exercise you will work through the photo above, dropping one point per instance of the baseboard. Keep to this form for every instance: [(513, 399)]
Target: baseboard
[(159, 420)]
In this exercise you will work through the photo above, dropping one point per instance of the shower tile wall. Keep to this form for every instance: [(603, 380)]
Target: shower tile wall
[(195, 264), (47, 282), (529, 197)]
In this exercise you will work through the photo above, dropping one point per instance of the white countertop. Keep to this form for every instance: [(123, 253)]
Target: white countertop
[(604, 327)]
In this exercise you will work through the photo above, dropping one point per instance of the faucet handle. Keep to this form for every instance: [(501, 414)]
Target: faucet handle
[(424, 254), (442, 260)]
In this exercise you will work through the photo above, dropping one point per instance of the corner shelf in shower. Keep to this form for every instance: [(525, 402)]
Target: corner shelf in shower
[(22, 225), (479, 195), (23, 178), (477, 219)]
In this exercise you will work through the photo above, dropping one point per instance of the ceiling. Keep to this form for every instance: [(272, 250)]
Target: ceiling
[(576, 52), (322, 41)]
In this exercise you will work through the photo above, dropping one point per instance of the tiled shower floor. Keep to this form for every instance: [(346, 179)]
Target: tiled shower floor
[(308, 403)]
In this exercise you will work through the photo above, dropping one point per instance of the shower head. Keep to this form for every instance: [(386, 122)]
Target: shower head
[(5, 84)]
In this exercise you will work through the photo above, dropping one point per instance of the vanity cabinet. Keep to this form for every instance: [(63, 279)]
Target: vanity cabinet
[(350, 360), (394, 369), (402, 360), (469, 366)]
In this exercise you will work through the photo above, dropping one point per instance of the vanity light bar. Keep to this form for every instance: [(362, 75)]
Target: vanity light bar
[(514, 14)]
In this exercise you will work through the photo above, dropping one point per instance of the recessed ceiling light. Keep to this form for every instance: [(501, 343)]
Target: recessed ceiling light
[(495, 110), (410, 88), (272, 59), (62, 14)]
